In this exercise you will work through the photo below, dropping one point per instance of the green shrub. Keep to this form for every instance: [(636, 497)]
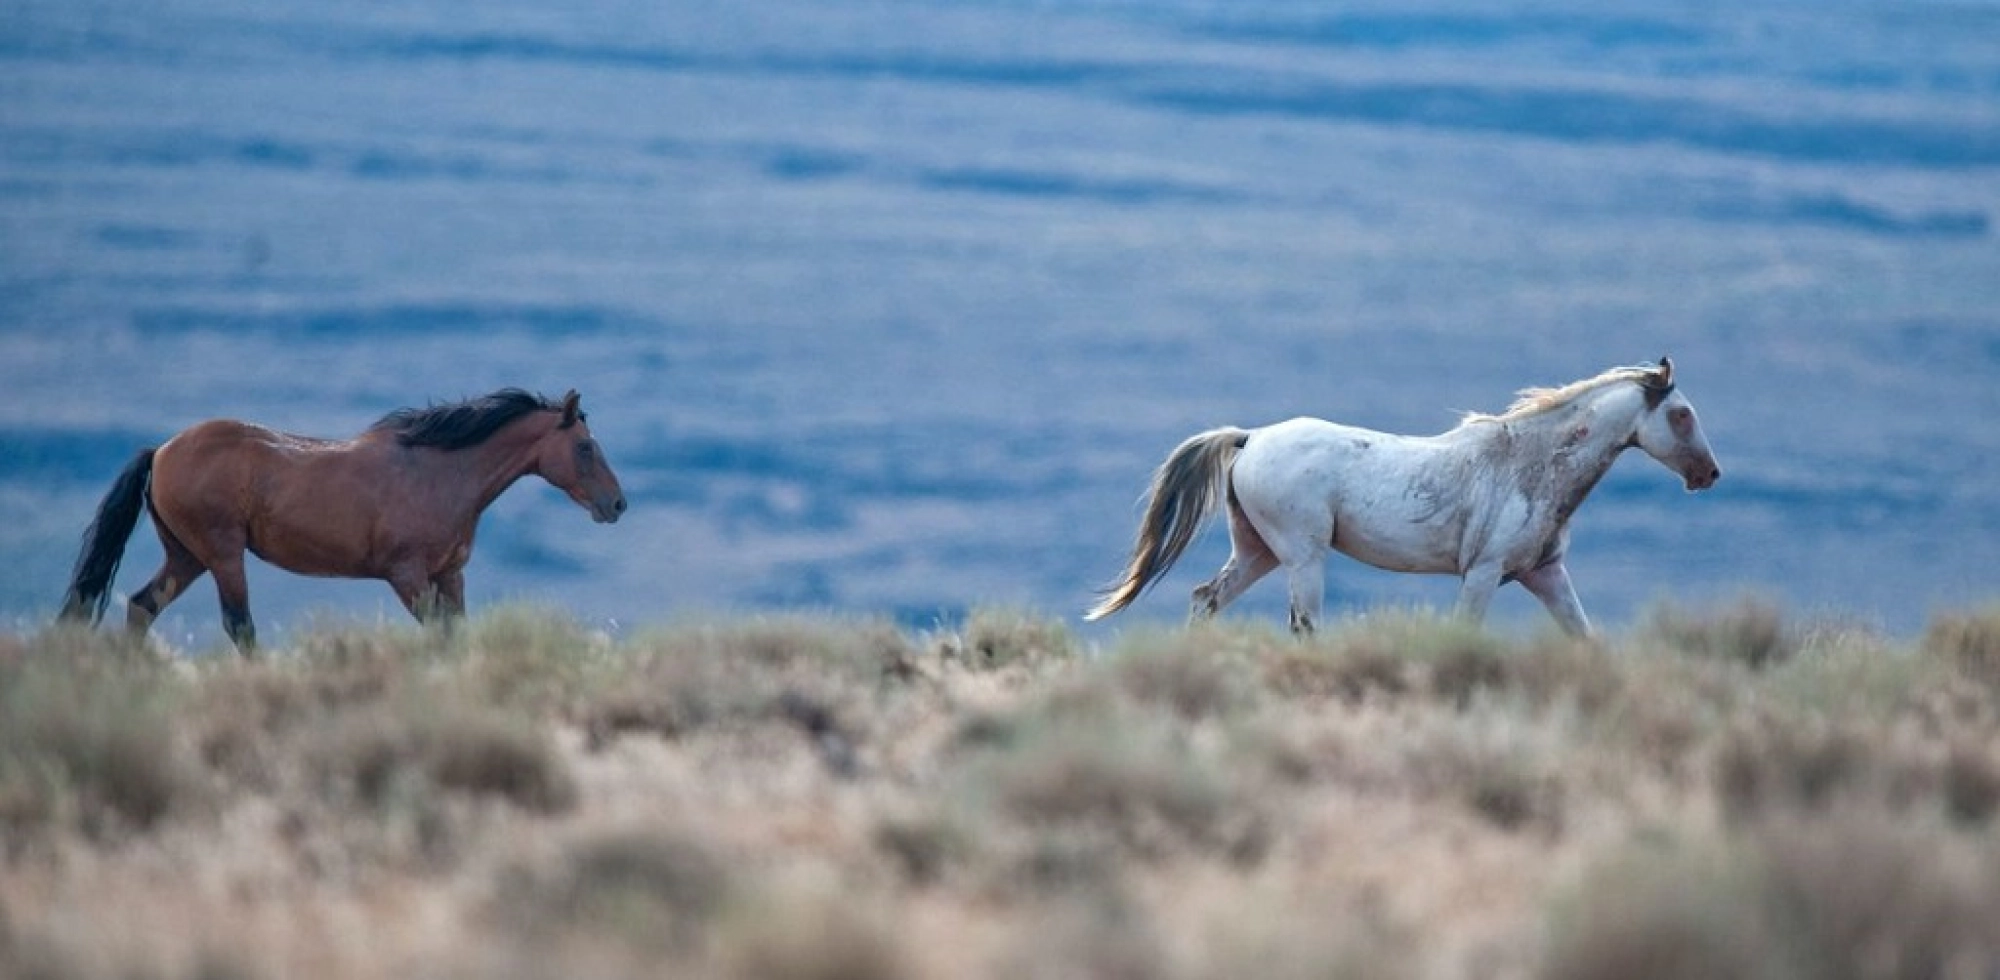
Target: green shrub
[(1188, 677), (380, 755), (1667, 911), (996, 638), (675, 683), (1331, 936), (529, 659), (1392, 653), (1123, 776), (1867, 894), (1088, 935), (1791, 763), (667, 693), (1751, 632), (1971, 776), (651, 890), (1853, 894), (850, 649), (808, 932), (1350, 672), (923, 846), (1502, 768)]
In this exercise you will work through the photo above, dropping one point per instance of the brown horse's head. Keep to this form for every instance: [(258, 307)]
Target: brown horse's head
[(573, 461)]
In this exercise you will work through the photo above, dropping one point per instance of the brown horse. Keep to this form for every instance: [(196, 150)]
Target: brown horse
[(399, 502)]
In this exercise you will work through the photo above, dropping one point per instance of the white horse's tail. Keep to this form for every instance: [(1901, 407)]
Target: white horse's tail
[(1186, 489)]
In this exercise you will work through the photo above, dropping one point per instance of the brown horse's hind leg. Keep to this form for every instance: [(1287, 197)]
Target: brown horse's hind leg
[(177, 572), (233, 588)]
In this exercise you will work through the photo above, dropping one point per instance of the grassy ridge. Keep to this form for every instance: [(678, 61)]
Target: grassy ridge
[(1723, 793)]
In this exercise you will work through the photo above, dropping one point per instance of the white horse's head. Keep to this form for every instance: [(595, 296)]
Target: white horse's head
[(1669, 432)]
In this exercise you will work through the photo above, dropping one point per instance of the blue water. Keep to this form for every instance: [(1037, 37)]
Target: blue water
[(891, 307)]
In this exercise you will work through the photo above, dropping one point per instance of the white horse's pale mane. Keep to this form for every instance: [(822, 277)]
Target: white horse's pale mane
[(1535, 401)]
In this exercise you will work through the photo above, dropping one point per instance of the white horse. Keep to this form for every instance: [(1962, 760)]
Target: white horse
[(1488, 501)]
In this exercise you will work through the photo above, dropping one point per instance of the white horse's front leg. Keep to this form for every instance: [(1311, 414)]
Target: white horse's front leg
[(1550, 583), (1475, 591)]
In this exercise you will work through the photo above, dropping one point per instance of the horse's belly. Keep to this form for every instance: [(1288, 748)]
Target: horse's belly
[(1397, 546), (305, 549)]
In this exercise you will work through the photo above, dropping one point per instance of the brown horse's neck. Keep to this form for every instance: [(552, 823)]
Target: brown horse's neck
[(467, 481)]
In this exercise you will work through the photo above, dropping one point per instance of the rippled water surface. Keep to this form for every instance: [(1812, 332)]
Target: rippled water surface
[(891, 307)]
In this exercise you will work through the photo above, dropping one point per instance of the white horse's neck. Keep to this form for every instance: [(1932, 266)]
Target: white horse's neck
[(1558, 455)]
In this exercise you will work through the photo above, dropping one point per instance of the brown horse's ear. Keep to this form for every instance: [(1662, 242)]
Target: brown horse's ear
[(570, 409)]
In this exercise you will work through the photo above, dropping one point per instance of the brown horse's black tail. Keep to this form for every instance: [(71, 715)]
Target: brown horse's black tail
[(104, 542)]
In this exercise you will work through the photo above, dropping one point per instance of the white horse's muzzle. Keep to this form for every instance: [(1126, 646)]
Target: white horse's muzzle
[(1701, 475)]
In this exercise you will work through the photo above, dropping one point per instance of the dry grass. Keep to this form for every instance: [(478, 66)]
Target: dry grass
[(1735, 793), (1846, 893), (1752, 632), (88, 743)]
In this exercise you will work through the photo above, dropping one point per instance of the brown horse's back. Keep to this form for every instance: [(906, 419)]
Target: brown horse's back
[(223, 487)]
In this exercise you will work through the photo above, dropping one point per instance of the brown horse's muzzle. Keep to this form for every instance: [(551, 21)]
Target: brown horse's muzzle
[(607, 509)]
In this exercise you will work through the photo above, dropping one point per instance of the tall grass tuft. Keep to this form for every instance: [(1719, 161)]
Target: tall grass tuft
[(1751, 632), (1969, 642), (534, 660), (1854, 894), (381, 756), (1186, 674), (1121, 775), (1668, 910), (655, 890), (87, 739), (676, 681), (996, 638), (809, 931)]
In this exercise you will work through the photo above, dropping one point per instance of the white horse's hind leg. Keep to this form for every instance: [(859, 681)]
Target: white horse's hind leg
[(1308, 588), (1550, 583), (1294, 517), (1250, 559), (1302, 549)]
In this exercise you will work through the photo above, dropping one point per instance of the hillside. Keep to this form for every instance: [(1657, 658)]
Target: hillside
[(1723, 793)]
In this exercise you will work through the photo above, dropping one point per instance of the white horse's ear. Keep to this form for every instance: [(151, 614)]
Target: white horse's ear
[(1664, 377), (570, 408)]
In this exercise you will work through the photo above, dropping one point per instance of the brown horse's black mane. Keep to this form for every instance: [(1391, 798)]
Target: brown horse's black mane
[(456, 425)]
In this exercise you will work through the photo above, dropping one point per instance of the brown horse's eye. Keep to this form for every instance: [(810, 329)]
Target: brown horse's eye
[(586, 453)]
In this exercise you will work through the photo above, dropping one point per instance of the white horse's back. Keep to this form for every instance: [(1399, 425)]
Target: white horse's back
[(1307, 485)]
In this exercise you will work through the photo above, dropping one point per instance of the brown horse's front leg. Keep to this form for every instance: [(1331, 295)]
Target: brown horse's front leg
[(417, 593), (430, 600), (450, 594)]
